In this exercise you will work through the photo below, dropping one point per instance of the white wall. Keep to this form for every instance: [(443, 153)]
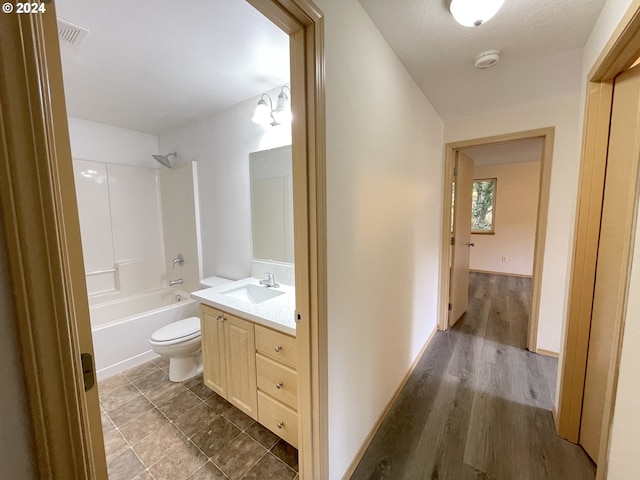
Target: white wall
[(563, 114), (623, 453), (17, 459), (384, 210), (516, 208), (108, 144), (221, 145)]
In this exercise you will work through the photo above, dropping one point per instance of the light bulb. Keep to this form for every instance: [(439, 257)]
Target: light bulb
[(262, 115), (282, 113)]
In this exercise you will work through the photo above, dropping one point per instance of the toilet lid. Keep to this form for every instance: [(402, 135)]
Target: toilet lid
[(189, 327)]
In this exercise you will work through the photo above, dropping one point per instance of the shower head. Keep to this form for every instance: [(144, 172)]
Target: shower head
[(165, 160)]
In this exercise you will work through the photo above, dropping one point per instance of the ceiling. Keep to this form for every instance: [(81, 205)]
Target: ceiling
[(517, 151), (154, 65), (540, 43)]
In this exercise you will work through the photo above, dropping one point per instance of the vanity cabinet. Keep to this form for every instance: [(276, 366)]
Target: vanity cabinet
[(254, 368), (276, 360), (228, 358)]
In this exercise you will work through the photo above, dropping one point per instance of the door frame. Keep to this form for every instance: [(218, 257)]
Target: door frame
[(41, 226), (619, 54), (303, 21), (541, 222)]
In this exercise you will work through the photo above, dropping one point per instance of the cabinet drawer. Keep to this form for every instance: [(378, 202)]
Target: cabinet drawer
[(276, 345), (278, 418), (277, 380)]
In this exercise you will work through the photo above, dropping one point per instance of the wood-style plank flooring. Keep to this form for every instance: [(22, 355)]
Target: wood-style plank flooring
[(478, 405)]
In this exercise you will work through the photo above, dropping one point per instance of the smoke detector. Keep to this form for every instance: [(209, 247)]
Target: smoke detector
[(487, 59), (71, 33)]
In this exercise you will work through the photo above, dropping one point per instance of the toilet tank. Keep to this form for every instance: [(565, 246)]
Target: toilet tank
[(213, 282)]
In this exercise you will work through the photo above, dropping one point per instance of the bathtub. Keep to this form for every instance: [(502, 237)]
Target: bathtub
[(122, 328)]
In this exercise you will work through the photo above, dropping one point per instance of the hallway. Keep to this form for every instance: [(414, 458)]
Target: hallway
[(478, 405)]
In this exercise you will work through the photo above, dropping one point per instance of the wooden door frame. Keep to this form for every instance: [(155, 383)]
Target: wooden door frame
[(41, 226), (541, 222), (619, 54)]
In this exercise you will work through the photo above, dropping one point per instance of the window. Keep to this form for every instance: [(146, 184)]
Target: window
[(483, 203)]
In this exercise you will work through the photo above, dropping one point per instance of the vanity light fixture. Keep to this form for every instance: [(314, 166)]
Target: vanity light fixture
[(473, 13), (267, 115)]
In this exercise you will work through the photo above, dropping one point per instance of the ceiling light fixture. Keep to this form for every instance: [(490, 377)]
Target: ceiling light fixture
[(472, 13), (267, 115)]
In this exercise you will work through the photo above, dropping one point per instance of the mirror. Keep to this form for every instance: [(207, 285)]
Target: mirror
[(272, 204)]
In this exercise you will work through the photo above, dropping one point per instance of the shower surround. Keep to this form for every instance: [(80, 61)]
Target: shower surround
[(135, 217)]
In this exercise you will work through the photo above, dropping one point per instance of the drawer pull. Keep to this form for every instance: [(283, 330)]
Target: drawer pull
[(280, 425), (278, 348), (279, 385)]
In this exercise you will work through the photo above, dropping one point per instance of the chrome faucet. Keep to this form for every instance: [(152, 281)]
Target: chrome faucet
[(270, 281), (177, 281)]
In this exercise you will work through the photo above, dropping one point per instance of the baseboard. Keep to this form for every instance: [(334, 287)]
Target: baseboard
[(120, 367), (500, 273), (367, 441), (547, 353)]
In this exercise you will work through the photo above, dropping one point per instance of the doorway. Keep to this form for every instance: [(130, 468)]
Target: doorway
[(494, 220), (452, 151), (48, 275)]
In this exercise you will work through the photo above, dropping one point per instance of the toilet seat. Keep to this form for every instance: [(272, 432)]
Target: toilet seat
[(177, 332)]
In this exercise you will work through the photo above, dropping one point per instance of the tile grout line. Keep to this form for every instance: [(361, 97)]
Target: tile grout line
[(131, 446), (251, 467), (201, 400)]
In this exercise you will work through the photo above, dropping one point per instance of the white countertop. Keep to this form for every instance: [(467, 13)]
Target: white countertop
[(277, 313)]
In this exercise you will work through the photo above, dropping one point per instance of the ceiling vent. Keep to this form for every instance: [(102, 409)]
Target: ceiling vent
[(71, 33), (487, 59)]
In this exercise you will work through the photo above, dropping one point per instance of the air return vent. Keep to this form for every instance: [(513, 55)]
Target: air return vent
[(71, 33)]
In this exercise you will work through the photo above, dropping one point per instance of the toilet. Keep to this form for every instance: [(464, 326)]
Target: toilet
[(180, 341)]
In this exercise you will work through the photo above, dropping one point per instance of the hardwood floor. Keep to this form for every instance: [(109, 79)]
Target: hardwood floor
[(478, 406)]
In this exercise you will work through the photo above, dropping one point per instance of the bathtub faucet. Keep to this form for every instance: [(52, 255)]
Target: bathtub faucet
[(178, 260), (177, 281)]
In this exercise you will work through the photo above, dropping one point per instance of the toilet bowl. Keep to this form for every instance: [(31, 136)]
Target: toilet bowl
[(180, 341)]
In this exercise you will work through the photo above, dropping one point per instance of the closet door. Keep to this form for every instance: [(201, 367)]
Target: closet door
[(618, 214)]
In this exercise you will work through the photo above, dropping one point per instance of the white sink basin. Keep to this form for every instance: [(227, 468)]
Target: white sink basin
[(252, 293)]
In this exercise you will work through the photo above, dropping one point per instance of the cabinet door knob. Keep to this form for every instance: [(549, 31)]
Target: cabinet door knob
[(219, 318), (278, 348), (222, 318), (280, 424), (279, 385)]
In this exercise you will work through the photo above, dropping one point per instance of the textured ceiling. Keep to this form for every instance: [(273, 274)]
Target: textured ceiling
[(527, 150), (540, 43), (153, 65)]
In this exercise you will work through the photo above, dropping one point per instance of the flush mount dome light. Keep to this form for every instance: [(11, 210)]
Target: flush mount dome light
[(472, 13)]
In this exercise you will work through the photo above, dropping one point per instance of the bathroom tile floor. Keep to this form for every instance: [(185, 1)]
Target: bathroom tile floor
[(158, 429)]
